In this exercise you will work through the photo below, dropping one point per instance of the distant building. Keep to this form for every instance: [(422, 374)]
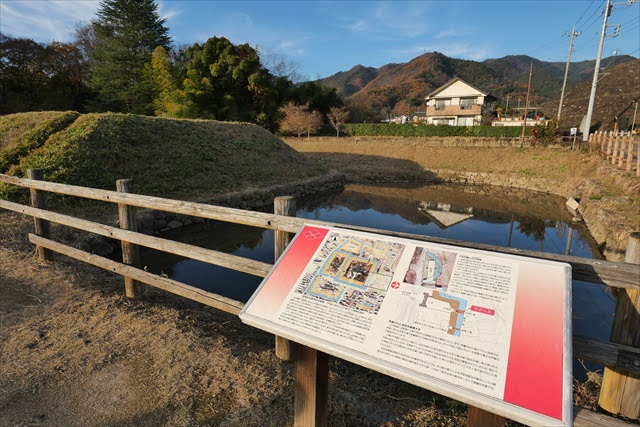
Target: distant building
[(458, 103)]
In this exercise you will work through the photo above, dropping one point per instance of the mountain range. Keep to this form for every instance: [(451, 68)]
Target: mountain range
[(401, 88)]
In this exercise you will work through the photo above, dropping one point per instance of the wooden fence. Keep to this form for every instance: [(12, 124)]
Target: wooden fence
[(622, 149), (621, 355)]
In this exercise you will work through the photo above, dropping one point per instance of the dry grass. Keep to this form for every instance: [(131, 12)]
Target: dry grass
[(74, 351)]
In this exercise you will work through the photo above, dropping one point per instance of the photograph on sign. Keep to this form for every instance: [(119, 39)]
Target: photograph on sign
[(469, 324)]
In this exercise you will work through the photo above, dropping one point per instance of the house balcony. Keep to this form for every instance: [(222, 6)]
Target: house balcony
[(454, 110)]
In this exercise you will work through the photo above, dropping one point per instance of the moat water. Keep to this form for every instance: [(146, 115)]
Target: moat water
[(503, 217)]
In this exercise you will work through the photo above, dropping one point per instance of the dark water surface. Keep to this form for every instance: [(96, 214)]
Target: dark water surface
[(503, 217)]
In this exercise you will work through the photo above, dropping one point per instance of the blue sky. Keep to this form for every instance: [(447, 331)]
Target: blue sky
[(324, 37)]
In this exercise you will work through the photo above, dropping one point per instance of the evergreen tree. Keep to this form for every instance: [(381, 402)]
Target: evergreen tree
[(126, 34)]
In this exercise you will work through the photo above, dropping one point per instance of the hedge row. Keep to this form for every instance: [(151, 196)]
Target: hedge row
[(392, 129)]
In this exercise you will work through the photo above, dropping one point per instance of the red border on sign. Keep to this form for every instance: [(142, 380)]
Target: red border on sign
[(535, 367)]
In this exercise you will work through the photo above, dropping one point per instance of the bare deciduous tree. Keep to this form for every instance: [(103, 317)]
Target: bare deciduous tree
[(298, 119), (281, 66), (293, 118), (313, 122), (337, 117)]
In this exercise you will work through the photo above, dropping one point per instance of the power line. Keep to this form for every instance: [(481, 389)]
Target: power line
[(583, 13), (593, 19)]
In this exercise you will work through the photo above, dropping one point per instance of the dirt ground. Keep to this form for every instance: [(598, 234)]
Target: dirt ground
[(74, 351)]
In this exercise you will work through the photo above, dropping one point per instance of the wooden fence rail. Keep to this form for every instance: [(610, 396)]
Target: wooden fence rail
[(613, 274), (621, 149), (618, 357)]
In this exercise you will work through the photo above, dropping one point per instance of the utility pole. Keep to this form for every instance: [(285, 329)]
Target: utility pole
[(507, 107), (633, 123), (596, 71), (566, 70), (526, 106)]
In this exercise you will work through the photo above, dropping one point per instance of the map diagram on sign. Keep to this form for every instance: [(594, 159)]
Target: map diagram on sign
[(352, 271), (426, 279)]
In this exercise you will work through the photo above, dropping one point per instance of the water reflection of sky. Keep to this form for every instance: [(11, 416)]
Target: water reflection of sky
[(592, 304)]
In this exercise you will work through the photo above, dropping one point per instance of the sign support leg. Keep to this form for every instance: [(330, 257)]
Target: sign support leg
[(480, 418), (311, 387)]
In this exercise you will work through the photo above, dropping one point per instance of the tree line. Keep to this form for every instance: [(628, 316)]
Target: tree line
[(124, 61)]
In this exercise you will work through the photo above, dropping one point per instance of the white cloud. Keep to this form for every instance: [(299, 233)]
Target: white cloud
[(45, 20), (166, 12), (391, 20)]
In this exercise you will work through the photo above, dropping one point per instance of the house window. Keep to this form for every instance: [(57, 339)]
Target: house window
[(465, 121), (466, 103), (441, 104)]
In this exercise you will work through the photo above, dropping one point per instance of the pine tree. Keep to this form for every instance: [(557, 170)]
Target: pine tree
[(127, 32)]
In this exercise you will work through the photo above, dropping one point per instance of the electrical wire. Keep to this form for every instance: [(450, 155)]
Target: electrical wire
[(583, 13)]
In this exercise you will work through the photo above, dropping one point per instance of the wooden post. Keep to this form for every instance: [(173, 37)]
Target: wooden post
[(311, 388), (623, 140), (39, 200), (130, 251), (609, 143), (620, 392), (284, 205), (481, 418), (638, 160), (630, 145), (616, 144)]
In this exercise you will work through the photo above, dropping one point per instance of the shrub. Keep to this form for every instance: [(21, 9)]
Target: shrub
[(392, 129), (546, 133)]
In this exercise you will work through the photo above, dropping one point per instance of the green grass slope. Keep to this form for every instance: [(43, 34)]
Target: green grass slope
[(183, 159), (23, 132)]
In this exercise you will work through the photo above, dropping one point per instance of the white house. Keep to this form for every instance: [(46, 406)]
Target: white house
[(458, 103)]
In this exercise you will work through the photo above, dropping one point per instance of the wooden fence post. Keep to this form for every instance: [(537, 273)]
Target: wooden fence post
[(616, 145), (284, 205), (638, 160), (311, 387), (620, 392), (630, 146), (39, 200), (130, 251), (623, 141), (609, 141)]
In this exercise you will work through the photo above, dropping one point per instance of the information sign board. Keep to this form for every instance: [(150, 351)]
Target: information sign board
[(574, 131), (489, 329)]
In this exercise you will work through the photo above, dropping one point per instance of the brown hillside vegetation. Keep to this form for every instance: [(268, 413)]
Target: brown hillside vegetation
[(403, 87), (615, 96)]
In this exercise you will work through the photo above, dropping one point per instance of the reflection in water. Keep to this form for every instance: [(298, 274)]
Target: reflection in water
[(511, 218)]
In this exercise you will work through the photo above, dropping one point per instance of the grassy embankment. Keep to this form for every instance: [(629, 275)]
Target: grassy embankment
[(21, 133), (184, 159)]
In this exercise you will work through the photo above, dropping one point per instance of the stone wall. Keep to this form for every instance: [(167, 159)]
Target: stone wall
[(429, 141), (161, 222), (605, 224)]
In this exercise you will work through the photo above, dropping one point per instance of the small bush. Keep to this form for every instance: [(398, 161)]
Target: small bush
[(546, 133), (392, 129)]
